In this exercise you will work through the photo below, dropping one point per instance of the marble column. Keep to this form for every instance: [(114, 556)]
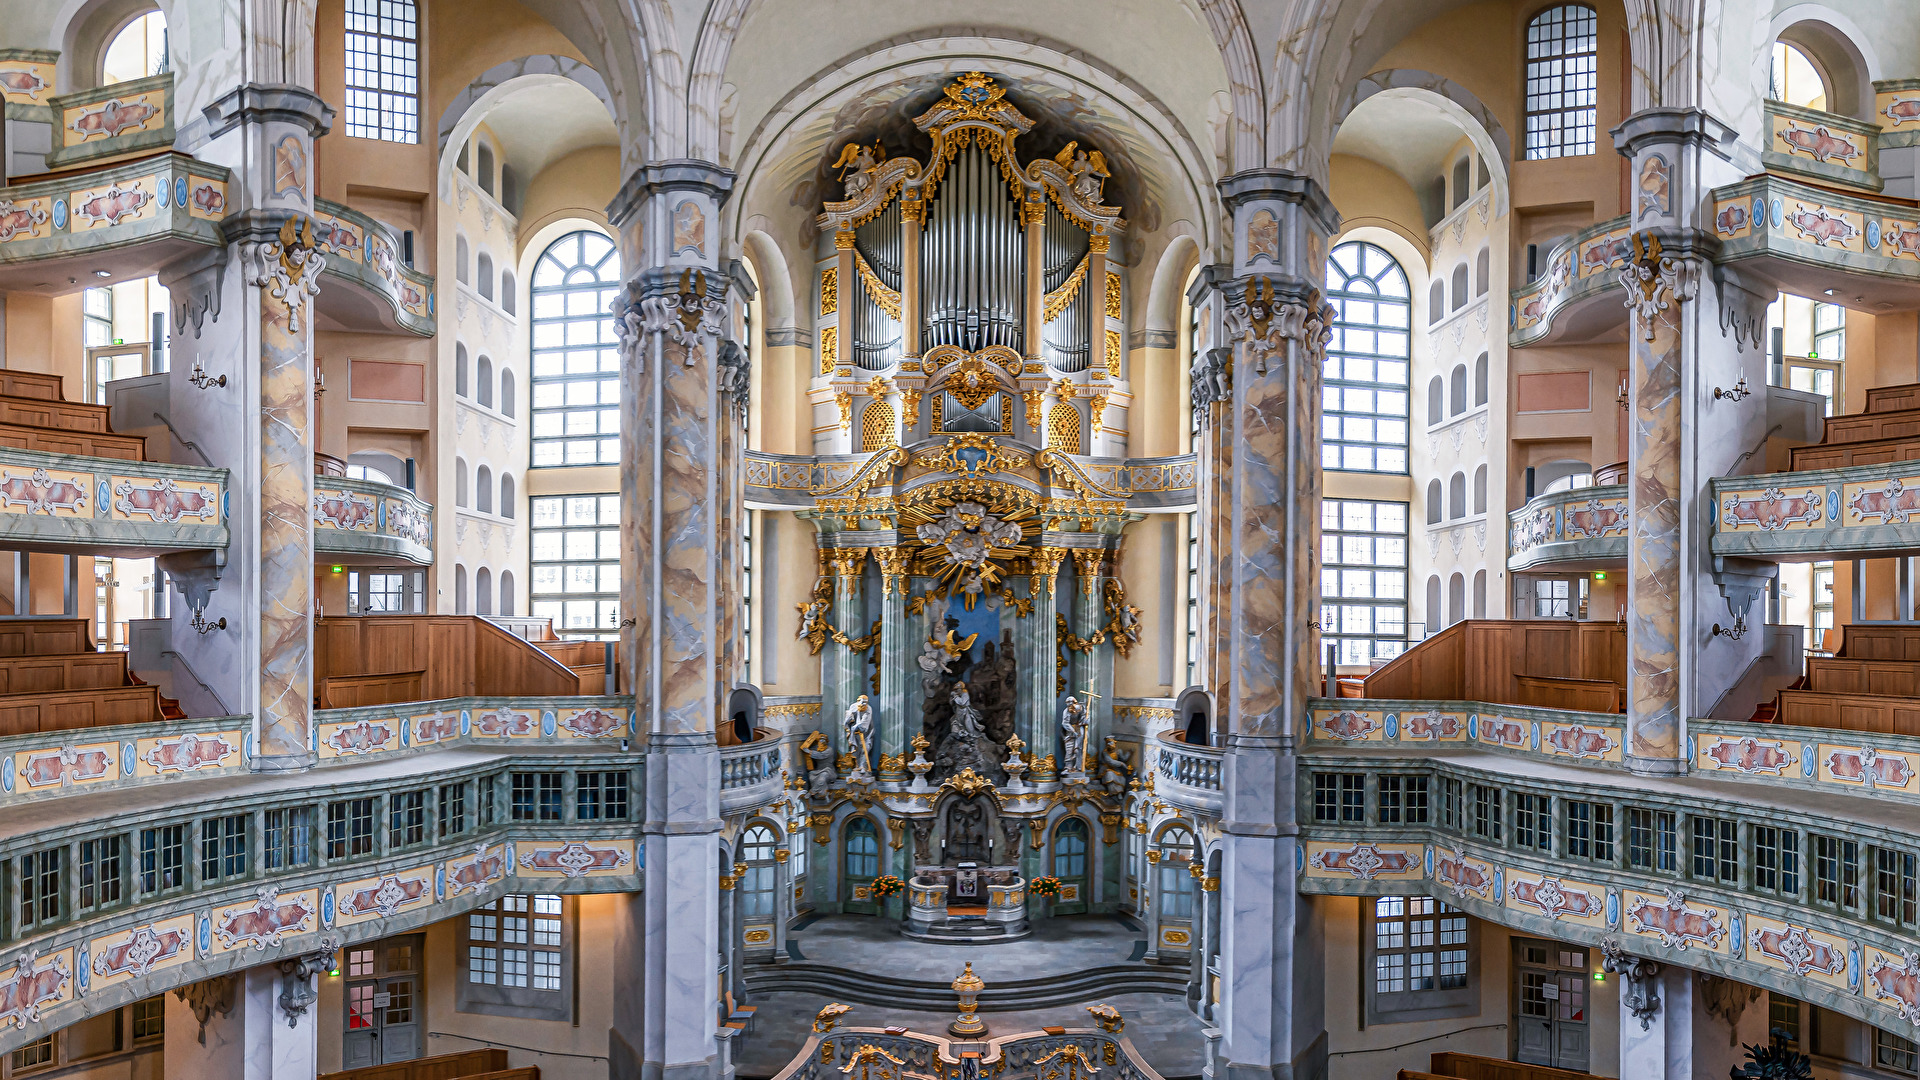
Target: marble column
[(783, 894), (245, 313), (898, 670), (844, 678), (1692, 328), (680, 378), (1035, 636), (1261, 480), (1095, 667), (1095, 288)]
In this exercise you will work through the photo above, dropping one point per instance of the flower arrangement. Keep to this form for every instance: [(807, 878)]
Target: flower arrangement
[(887, 885), (1048, 887)]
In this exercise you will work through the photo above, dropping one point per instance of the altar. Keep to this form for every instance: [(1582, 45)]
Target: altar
[(967, 904)]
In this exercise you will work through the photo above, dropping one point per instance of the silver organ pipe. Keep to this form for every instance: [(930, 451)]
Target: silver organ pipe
[(877, 336), (972, 258), (1066, 339)]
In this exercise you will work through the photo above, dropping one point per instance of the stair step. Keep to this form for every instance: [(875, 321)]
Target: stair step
[(869, 988)]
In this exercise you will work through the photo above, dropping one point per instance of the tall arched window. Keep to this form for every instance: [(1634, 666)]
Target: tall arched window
[(1365, 425), (383, 71), (1459, 286), (483, 273), (459, 590), (459, 481), (1562, 75), (1480, 489), (1456, 496), (1434, 498), (506, 592), (1436, 400), (1456, 598), (1457, 389), (576, 356), (1792, 78), (462, 261), (507, 391), (1070, 849), (756, 889), (507, 494), (1479, 380), (1482, 271), (459, 370), (1177, 852)]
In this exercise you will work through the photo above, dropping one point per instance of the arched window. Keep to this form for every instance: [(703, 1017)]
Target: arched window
[(1177, 852), (484, 273), (1070, 849), (383, 71), (1457, 390), (757, 888), (576, 355), (483, 592), (483, 489), (1435, 501), (1794, 79), (486, 168), (1482, 271), (1456, 495), (1436, 301), (1366, 378), (1563, 62), (459, 370), (1480, 490), (137, 51), (862, 855), (507, 290), (507, 493), (876, 426), (483, 373), (1480, 594), (1462, 181), (1459, 286), (1436, 400), (459, 481), (507, 390), (1480, 380), (459, 590), (1456, 599), (462, 257), (506, 592)]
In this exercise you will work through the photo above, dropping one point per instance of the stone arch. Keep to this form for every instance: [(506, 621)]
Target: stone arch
[(1839, 50), (1480, 124), (82, 32), (472, 103)]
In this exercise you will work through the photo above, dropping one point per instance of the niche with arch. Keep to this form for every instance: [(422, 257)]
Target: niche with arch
[(484, 272), (1436, 400), (483, 373), (483, 489), (459, 481), (506, 592), (507, 493), (1436, 618), (483, 592), (462, 258), (1435, 501), (507, 290), (1482, 271), (1456, 598), (1480, 380), (506, 391), (484, 158), (1480, 489), (459, 370), (1457, 390), (459, 590), (1436, 301), (1456, 495), (1480, 594), (1459, 286)]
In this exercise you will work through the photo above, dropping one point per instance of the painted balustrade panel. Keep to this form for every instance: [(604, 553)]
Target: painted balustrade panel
[(783, 480), (1819, 513), (26, 79), (112, 121), (365, 517), (1860, 763), (1841, 963), (83, 760), (1776, 216), (366, 253), (379, 730), (1576, 269), (897, 1054), (49, 981), (1548, 734), (107, 503), (1824, 147), (113, 206), (1586, 527)]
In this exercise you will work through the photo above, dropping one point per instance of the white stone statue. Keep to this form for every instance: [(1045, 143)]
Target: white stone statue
[(966, 718), (858, 726), (1073, 737)]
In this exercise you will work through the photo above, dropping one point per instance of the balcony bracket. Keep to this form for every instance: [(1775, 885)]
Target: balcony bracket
[(1742, 581)]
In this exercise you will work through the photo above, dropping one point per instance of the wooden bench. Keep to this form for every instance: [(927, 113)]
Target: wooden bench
[(1851, 675), (56, 415), (1584, 695), (1861, 427), (44, 637), (49, 674), (28, 714), (491, 1062), (42, 385), (1850, 712), (360, 691), (1893, 398), (1847, 454), (1884, 642)]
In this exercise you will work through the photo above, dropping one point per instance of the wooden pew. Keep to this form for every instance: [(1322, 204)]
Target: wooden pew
[(1844, 455), (1585, 695), (1860, 427), (1870, 642), (456, 656), (490, 1061), (1850, 675), (27, 714), (355, 691), (1850, 712), (50, 674), (1472, 1067), (1483, 660), (41, 385), (44, 637), (57, 415), (1893, 398)]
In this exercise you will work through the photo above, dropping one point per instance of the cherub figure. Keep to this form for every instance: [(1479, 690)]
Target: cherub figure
[(1088, 168), (864, 161)]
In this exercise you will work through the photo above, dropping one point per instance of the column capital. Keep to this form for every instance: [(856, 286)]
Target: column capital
[(1280, 185), (260, 103), (661, 177), (1689, 126)]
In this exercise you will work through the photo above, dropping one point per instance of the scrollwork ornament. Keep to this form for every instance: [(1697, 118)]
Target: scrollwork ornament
[(1212, 379), (287, 268), (297, 993), (1654, 282), (1641, 992), (733, 372), (689, 317)]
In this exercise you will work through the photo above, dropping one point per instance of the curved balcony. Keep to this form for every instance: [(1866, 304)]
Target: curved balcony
[(1582, 529), (750, 772), (127, 220), (1824, 147), (1800, 236), (787, 481), (1188, 776), (107, 506), (1574, 301), (364, 253), (1815, 514), (364, 521)]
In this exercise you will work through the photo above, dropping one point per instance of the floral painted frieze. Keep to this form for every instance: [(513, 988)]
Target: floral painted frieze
[(187, 753), (143, 949), (1676, 923), (1819, 143), (1896, 982), (164, 501), (1822, 226), (1463, 875), (1597, 519), (385, 897), (1347, 725), (31, 987), (41, 492), (1503, 732), (1534, 529), (24, 81), (266, 921), (485, 866), (1868, 767), (1772, 510), (573, 859), (436, 727), (1796, 948), (113, 118), (209, 199), (1555, 898), (17, 219), (1364, 861), (1893, 503), (110, 205), (1433, 726), (66, 766), (1751, 756)]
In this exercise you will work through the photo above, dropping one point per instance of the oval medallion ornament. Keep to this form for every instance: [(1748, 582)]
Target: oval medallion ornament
[(1833, 505), (1533, 740), (1853, 968), (466, 721), (1759, 210), (1473, 725), (326, 907), (246, 749), (127, 754), (440, 882), (6, 774), (1776, 214), (59, 213), (86, 970), (406, 734), (548, 723), (1299, 859), (180, 190), (1393, 726), (1734, 934), (1807, 764), (1613, 909), (162, 194), (1873, 233), (206, 935), (1429, 861)]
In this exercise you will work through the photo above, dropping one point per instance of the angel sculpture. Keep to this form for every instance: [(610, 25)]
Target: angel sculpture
[(814, 628), (864, 161), (1088, 168)]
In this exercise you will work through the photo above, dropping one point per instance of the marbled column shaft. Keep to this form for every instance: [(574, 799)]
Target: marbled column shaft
[(1095, 669), (1653, 546), (1037, 719), (897, 671), (689, 511), (286, 533), (846, 674)]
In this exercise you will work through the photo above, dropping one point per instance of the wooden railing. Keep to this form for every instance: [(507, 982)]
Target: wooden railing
[(77, 443), (452, 656), (44, 637), (58, 415), (1487, 660), (77, 671), (468, 1065), (25, 714)]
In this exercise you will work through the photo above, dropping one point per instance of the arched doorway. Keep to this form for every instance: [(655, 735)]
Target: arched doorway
[(1070, 865), (861, 864)]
